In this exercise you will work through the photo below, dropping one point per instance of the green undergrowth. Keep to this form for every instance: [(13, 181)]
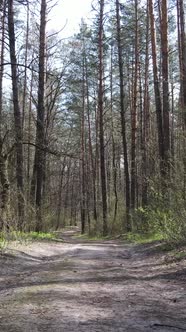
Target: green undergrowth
[(3, 244), (26, 236), (173, 251), (177, 254), (129, 237), (143, 238)]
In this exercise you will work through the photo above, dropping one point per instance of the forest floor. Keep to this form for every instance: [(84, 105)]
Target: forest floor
[(87, 286)]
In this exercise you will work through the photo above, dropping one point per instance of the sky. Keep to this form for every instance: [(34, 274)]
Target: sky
[(68, 14)]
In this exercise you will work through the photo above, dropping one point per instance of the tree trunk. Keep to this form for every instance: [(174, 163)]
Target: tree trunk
[(165, 77), (183, 54), (134, 115), (182, 62), (101, 121), (92, 164), (83, 189), (25, 69), (40, 132), (17, 114), (145, 133), (157, 89), (114, 164), (5, 193), (60, 193), (123, 121)]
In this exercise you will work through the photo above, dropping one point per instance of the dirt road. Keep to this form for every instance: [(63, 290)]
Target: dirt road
[(91, 287)]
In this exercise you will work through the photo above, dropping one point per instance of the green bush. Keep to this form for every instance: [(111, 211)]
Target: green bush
[(165, 215)]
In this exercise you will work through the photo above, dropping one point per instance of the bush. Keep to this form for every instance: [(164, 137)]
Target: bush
[(165, 215)]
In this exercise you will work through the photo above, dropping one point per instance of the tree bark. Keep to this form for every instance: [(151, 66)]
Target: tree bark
[(165, 77), (101, 121), (123, 121), (134, 115), (182, 63), (83, 188), (157, 89), (17, 114), (40, 132), (114, 164), (92, 164), (145, 132)]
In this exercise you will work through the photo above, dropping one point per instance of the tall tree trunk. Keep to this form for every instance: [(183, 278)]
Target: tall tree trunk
[(165, 77), (17, 114), (67, 193), (97, 161), (182, 62), (40, 132), (172, 122), (101, 121), (25, 69), (145, 119), (5, 193), (2, 44), (29, 133), (114, 165), (60, 192), (183, 53), (157, 89), (93, 166), (73, 198), (123, 121), (134, 114), (83, 188)]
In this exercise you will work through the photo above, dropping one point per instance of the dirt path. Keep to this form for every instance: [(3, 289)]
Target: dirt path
[(91, 287)]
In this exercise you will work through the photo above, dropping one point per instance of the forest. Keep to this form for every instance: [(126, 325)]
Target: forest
[(93, 166), (93, 127)]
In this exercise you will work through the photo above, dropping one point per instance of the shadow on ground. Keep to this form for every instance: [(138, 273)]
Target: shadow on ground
[(80, 286)]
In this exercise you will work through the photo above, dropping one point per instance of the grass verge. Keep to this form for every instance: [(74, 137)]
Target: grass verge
[(141, 238), (26, 236)]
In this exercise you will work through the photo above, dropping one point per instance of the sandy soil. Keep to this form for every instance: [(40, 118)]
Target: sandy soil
[(92, 287)]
